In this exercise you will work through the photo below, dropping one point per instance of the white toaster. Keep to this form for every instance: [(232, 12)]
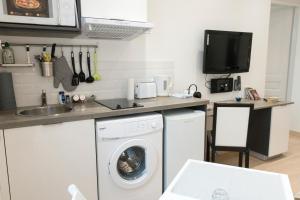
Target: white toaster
[(144, 90)]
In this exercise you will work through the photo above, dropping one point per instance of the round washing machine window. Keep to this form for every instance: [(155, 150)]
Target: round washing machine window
[(133, 163)]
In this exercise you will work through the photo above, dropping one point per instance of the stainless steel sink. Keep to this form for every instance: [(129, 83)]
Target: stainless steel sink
[(45, 111)]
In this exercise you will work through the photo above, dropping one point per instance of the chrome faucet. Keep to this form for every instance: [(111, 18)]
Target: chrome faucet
[(44, 98)]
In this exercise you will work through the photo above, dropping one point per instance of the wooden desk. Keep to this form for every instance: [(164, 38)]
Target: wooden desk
[(269, 130)]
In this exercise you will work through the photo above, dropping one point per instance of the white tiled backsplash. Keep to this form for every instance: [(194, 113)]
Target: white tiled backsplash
[(28, 83)]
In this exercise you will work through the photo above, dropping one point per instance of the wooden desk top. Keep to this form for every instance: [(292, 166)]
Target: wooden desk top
[(260, 104)]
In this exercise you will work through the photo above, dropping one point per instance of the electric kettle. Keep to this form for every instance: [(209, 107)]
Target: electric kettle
[(164, 85)]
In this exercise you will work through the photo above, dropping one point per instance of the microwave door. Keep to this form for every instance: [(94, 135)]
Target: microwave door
[(46, 14)]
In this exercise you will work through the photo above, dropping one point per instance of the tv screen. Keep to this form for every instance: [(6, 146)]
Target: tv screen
[(226, 52)]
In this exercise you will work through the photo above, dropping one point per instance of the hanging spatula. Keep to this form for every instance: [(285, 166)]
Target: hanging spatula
[(96, 75)]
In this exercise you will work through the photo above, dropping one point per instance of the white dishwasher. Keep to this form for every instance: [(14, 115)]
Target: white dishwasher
[(184, 137)]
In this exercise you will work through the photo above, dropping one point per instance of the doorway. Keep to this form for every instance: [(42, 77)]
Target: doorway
[(279, 51)]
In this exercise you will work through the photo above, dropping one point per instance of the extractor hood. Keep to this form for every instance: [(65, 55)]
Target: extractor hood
[(113, 28)]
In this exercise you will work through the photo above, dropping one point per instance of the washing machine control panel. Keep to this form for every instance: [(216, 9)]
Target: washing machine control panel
[(153, 124), (142, 127), (129, 128)]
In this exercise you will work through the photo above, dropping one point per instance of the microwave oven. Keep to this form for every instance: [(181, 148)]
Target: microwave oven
[(40, 12)]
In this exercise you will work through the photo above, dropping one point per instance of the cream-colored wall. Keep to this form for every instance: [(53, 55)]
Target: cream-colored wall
[(280, 35), (295, 94), (179, 34), (176, 40), (287, 2), (118, 61)]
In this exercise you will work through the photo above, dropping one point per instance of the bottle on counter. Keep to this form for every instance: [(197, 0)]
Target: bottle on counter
[(8, 54), (61, 97), (68, 99)]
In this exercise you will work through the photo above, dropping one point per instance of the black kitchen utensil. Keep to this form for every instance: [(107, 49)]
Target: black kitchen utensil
[(75, 79), (81, 73), (89, 79), (53, 52)]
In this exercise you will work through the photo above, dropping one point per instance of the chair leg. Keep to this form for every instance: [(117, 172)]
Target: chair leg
[(241, 159), (247, 158), (213, 155)]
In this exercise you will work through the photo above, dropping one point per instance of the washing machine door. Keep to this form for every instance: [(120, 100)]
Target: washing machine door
[(133, 163)]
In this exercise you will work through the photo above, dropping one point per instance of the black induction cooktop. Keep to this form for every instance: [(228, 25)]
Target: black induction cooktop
[(117, 104)]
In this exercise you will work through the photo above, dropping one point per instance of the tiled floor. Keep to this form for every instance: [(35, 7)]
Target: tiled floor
[(287, 164)]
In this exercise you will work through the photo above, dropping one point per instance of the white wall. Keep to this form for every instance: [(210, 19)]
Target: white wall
[(118, 61), (295, 116), (179, 34), (280, 35), (287, 2), (177, 39)]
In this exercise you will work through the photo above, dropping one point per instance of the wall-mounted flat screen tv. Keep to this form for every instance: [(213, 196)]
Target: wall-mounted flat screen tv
[(226, 52)]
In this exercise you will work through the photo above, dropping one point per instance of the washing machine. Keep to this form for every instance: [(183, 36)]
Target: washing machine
[(129, 151)]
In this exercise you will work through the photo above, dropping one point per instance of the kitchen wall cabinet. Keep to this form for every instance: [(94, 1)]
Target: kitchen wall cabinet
[(63, 16), (132, 10), (44, 160), (4, 187)]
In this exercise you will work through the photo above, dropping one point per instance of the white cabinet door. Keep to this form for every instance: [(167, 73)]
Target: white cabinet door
[(280, 128), (184, 137), (4, 188), (132, 10), (44, 160)]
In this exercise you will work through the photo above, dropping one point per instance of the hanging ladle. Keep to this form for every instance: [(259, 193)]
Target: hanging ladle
[(81, 73), (75, 79), (89, 79)]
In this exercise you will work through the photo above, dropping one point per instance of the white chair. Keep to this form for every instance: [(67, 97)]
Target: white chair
[(75, 193), (230, 130)]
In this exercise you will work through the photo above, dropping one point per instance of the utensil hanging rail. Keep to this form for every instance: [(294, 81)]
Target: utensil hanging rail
[(58, 45)]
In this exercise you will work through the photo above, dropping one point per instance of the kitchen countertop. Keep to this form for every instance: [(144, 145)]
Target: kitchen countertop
[(92, 110), (260, 104)]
